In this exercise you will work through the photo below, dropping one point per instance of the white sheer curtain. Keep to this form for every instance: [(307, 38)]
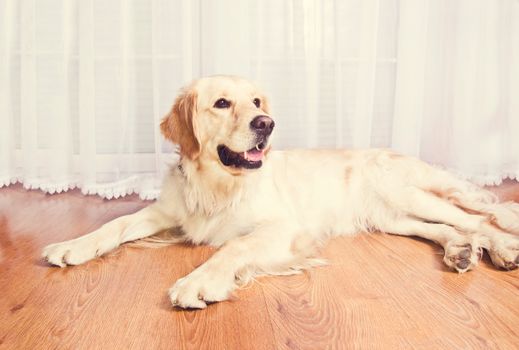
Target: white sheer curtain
[(84, 83)]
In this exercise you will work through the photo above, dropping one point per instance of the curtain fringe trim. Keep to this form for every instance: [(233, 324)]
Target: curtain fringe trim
[(133, 184), (486, 180), (112, 190)]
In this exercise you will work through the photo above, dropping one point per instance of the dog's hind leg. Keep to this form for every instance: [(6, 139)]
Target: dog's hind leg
[(430, 182), (504, 215), (500, 219), (462, 252), (502, 247), (143, 223), (428, 207)]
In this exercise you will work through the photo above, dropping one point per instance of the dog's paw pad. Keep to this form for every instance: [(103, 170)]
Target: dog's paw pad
[(462, 257), (464, 254), (462, 264)]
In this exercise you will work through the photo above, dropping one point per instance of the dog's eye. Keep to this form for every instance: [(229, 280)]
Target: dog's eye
[(222, 103), (257, 102)]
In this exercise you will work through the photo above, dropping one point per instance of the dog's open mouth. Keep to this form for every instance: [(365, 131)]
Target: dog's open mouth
[(251, 159)]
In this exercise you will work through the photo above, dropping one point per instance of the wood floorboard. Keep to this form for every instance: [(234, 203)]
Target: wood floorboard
[(377, 292)]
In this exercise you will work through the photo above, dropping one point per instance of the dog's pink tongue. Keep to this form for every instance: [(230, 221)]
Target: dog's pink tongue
[(253, 155)]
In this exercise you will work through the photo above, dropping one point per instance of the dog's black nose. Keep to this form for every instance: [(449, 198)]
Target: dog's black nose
[(262, 125)]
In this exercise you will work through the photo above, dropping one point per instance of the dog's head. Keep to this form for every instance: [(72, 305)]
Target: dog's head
[(222, 118)]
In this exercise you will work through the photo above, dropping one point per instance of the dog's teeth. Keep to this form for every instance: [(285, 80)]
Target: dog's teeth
[(257, 147)]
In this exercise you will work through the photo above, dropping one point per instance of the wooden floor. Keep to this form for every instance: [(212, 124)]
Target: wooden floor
[(379, 291)]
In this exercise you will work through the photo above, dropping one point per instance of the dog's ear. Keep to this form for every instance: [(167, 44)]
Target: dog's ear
[(180, 125)]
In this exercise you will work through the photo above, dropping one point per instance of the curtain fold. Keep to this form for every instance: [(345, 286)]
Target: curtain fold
[(467, 123), (85, 83)]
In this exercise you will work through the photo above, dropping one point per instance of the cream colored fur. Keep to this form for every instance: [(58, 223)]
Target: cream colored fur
[(270, 220)]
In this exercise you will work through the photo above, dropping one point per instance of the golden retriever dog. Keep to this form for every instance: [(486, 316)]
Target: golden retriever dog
[(269, 210)]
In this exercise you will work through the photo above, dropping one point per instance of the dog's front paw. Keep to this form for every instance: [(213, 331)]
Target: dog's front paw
[(76, 251), (68, 253), (199, 288)]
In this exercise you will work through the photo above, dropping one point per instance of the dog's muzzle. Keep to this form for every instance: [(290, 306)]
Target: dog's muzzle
[(251, 159), (262, 126)]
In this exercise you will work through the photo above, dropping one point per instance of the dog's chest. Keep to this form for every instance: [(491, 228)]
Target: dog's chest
[(215, 229)]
